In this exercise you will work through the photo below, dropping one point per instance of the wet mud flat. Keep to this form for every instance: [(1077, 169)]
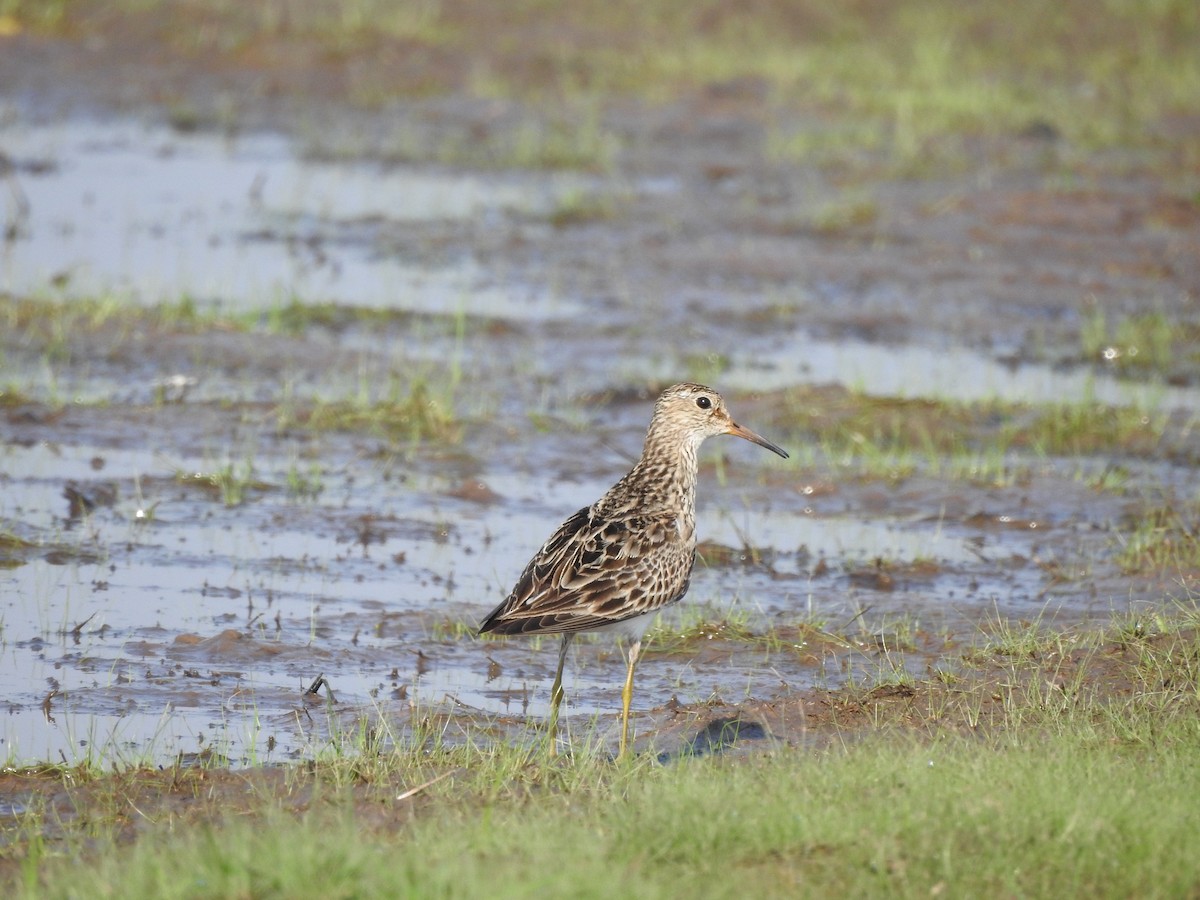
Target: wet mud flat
[(272, 414), (179, 573)]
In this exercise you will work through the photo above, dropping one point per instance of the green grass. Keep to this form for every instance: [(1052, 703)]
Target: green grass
[(37, 14), (48, 323), (1162, 540), (297, 318), (1001, 637), (986, 442), (406, 411), (575, 138), (52, 325), (1068, 769), (414, 405), (577, 206), (854, 209), (1139, 345), (230, 482), (14, 550), (12, 396), (305, 482), (1020, 817)]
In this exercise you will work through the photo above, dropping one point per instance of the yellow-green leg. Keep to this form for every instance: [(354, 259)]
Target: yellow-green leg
[(556, 693), (627, 698)]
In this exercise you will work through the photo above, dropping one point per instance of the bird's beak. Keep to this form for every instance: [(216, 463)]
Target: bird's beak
[(739, 431)]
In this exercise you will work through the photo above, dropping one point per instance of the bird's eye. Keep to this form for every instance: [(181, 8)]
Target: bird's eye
[(704, 403)]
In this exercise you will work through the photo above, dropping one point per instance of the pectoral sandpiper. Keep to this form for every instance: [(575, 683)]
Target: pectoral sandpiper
[(614, 564)]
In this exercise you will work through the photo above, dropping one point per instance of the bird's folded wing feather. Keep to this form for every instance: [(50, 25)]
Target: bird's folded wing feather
[(596, 570)]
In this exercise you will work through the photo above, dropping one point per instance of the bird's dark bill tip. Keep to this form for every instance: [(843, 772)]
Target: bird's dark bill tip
[(756, 438)]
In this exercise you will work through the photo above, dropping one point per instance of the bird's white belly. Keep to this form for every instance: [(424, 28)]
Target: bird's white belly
[(631, 629)]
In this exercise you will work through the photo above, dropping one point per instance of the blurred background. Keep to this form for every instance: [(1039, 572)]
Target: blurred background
[(317, 317)]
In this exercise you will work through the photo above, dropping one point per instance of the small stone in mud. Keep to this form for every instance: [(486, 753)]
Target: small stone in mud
[(475, 491), (1040, 130), (876, 578), (62, 557), (78, 503)]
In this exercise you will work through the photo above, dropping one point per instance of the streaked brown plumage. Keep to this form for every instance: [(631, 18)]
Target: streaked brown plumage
[(614, 564)]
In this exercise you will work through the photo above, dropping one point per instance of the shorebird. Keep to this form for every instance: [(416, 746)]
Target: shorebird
[(613, 565)]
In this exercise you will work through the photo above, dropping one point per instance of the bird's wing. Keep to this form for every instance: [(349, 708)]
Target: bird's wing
[(597, 570)]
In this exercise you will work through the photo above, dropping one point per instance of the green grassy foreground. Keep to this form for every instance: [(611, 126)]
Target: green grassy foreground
[(1026, 816), (1068, 772)]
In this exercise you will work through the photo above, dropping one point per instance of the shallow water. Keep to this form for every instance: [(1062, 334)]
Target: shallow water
[(161, 622), (151, 216), (953, 373)]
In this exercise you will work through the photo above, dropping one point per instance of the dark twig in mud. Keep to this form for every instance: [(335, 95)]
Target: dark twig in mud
[(850, 621), (314, 689), (46, 705), (19, 215), (78, 629)]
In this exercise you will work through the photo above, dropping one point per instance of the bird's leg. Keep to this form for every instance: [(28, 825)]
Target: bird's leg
[(627, 697), (556, 693)]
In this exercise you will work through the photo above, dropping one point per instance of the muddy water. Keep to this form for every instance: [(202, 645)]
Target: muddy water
[(146, 615)]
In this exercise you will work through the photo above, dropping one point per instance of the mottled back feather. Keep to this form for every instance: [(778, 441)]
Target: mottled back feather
[(596, 571)]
